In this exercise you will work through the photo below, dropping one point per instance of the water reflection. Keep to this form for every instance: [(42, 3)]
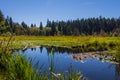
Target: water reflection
[(94, 67), (117, 72), (41, 48), (56, 49), (62, 49)]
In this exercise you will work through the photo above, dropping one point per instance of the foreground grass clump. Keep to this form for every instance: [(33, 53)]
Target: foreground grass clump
[(17, 67)]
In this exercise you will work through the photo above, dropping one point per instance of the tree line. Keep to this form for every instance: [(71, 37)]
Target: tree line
[(91, 26)]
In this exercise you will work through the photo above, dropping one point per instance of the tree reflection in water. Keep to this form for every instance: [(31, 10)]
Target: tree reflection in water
[(117, 72)]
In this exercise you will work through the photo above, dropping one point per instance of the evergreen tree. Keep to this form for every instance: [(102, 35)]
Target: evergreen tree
[(32, 25), (2, 23), (1, 18), (53, 29), (11, 25), (41, 26), (90, 26)]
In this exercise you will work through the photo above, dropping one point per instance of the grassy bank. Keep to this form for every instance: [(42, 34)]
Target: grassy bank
[(84, 43)]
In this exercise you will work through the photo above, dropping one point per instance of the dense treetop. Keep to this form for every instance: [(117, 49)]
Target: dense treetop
[(91, 26)]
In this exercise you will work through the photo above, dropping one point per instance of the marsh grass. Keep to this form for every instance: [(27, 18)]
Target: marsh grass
[(81, 43)]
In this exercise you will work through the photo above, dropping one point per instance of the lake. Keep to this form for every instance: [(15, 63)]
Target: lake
[(91, 67)]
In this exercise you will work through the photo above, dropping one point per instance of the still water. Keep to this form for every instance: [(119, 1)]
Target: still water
[(92, 68)]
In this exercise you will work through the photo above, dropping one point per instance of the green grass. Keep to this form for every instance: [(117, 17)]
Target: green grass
[(86, 43)]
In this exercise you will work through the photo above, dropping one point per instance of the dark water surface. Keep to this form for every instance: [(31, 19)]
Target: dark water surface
[(92, 68)]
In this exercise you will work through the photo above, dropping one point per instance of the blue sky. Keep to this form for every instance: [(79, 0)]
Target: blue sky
[(34, 11)]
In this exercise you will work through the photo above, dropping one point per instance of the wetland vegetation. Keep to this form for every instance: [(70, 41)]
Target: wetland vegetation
[(17, 66), (94, 40)]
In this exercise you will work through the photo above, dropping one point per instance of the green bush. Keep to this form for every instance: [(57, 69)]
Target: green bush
[(6, 34)]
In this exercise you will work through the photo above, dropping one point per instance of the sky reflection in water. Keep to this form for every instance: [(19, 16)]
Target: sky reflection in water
[(92, 68)]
